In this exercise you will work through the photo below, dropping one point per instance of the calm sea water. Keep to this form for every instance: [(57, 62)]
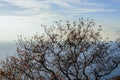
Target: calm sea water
[(7, 49)]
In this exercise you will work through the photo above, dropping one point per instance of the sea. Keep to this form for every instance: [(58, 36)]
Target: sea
[(7, 49)]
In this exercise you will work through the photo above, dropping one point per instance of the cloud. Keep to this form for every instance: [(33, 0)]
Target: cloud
[(116, 0), (2, 5), (86, 3), (27, 15), (95, 10), (36, 7), (33, 7), (11, 26), (28, 4)]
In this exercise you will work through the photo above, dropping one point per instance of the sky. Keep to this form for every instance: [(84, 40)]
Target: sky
[(25, 17)]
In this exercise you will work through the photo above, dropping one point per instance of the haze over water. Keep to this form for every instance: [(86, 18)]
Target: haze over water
[(24, 17), (6, 50)]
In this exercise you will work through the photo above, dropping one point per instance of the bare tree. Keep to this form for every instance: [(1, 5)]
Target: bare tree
[(65, 52)]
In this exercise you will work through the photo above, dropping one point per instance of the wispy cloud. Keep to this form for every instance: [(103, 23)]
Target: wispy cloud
[(33, 7), (116, 0), (29, 4), (2, 5), (95, 10), (22, 15)]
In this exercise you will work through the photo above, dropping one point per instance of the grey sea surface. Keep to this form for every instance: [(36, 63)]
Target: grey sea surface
[(7, 49)]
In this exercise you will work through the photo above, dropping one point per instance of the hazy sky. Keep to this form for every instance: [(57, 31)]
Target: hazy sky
[(25, 16)]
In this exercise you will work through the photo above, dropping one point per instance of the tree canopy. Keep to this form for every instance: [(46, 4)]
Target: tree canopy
[(66, 51)]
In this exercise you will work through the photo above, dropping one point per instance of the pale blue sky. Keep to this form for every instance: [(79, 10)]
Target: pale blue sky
[(25, 16)]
